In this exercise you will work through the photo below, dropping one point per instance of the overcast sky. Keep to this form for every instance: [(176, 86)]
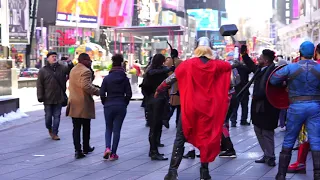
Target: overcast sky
[(258, 10)]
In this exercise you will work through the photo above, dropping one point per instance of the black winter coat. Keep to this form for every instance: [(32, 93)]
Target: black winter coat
[(48, 88), (263, 114)]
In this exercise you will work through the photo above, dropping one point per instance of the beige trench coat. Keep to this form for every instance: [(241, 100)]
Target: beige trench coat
[(81, 103)]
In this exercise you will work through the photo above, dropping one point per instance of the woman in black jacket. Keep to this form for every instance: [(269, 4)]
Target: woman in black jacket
[(153, 78), (118, 89)]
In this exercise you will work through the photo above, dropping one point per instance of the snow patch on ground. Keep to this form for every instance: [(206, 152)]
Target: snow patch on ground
[(12, 116)]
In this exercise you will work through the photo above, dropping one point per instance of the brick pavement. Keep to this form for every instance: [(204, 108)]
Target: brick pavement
[(27, 153)]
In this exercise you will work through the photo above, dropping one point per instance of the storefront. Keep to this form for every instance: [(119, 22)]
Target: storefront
[(64, 40)]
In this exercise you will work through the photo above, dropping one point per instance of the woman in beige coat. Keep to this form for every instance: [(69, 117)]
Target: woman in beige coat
[(81, 104)]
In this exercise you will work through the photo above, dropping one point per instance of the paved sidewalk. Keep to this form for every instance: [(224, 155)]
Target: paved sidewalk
[(27, 153)]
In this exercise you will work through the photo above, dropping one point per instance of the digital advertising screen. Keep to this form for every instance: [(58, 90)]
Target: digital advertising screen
[(116, 13), (88, 11), (224, 18), (295, 9), (207, 19), (170, 4)]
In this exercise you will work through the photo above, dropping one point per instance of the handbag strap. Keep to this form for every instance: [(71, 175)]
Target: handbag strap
[(55, 77)]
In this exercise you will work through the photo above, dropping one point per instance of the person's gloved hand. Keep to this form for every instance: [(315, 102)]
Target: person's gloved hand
[(243, 49), (40, 100)]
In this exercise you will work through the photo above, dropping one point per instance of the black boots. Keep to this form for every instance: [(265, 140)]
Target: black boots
[(316, 165), (190, 154), (156, 156), (176, 158), (204, 172), (79, 155), (284, 161)]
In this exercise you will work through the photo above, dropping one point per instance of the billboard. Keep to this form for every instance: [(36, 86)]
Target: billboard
[(116, 13), (207, 19), (18, 21), (88, 13), (176, 5), (170, 4), (169, 18)]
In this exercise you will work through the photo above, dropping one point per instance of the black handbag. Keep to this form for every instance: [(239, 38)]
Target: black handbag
[(65, 97)]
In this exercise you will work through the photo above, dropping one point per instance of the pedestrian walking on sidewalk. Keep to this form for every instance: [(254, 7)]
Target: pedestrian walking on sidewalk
[(81, 104), (115, 94), (51, 88)]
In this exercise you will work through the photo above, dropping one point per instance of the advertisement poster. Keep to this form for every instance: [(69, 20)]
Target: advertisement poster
[(85, 12), (116, 13), (169, 18), (207, 19), (170, 4), (18, 21)]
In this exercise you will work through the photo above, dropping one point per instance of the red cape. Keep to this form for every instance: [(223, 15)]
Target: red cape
[(204, 103)]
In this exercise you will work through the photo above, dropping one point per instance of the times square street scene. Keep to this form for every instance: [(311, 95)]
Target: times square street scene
[(160, 89)]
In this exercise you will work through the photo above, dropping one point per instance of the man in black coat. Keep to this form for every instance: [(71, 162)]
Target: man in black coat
[(264, 116), (244, 72), (51, 88)]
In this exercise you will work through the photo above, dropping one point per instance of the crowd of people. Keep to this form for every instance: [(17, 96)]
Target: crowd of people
[(205, 93)]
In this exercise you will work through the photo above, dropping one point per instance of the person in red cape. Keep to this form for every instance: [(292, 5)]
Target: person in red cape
[(204, 84)]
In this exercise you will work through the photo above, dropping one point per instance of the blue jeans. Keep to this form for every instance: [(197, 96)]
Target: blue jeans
[(114, 116), (297, 115), (52, 111)]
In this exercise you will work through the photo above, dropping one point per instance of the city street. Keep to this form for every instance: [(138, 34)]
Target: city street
[(28, 153)]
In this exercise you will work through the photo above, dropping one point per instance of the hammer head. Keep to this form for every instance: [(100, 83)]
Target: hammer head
[(228, 30)]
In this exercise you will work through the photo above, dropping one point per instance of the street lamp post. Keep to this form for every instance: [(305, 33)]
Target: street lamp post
[(77, 21)]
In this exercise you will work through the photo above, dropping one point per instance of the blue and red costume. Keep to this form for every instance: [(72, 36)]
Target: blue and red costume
[(303, 79)]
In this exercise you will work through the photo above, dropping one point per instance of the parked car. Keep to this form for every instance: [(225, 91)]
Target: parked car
[(29, 72)]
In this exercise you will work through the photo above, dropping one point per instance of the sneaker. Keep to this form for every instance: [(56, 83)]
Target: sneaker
[(229, 154), (113, 157), (107, 153)]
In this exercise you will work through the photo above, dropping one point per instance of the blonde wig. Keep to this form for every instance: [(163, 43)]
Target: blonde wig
[(203, 51)]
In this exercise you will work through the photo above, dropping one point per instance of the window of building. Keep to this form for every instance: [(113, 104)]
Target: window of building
[(287, 13)]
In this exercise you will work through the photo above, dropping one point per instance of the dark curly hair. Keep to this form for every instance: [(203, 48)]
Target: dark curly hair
[(157, 61), (318, 48), (117, 60), (269, 55)]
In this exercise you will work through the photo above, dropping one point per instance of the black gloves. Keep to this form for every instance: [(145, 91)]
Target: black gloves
[(235, 64), (40, 100)]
